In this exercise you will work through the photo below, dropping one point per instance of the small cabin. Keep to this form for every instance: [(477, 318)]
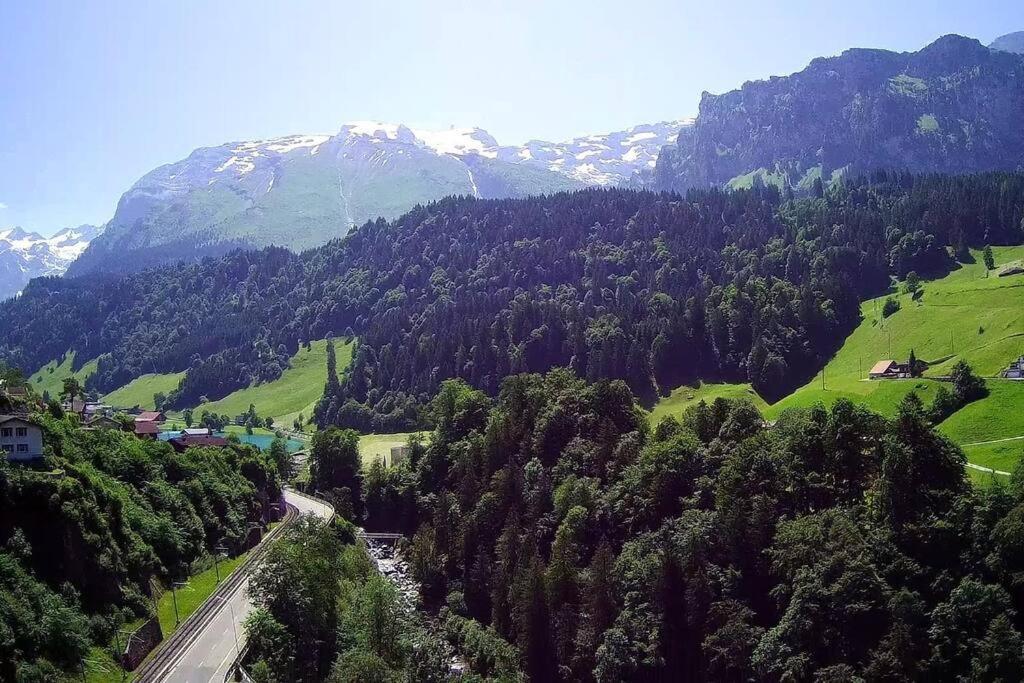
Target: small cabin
[(399, 454), (20, 438), (150, 416), (889, 369), (1016, 369)]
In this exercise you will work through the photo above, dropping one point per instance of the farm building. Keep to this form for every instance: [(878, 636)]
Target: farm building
[(1016, 369), (889, 369)]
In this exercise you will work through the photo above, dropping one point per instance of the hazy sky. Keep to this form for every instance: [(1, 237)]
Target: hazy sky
[(94, 94)]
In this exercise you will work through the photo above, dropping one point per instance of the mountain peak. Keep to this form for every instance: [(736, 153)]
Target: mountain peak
[(1011, 42)]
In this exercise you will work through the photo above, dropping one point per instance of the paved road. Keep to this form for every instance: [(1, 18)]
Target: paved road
[(209, 656)]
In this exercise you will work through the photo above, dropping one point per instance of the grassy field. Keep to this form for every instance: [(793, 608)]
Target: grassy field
[(298, 388), (999, 415), (969, 314), (50, 377), (682, 398), (374, 446), (140, 391)]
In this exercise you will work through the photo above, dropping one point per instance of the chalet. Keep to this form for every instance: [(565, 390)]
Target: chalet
[(184, 442), (399, 454), (20, 438), (75, 405), (146, 429), (103, 422), (150, 416), (1016, 369), (889, 369)]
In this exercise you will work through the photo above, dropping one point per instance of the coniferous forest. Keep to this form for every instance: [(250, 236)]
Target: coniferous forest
[(654, 289), (558, 537)]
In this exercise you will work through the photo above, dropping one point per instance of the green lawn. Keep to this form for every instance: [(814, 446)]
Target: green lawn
[(969, 314), (140, 391), (298, 388), (374, 446), (999, 415), (50, 377), (682, 398)]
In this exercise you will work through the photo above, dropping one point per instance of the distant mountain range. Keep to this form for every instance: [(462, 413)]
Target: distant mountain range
[(25, 255), (954, 106), (303, 190), (1011, 42)]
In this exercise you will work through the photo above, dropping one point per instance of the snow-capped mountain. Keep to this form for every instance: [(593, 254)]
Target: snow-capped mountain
[(624, 157), (25, 255), (303, 190)]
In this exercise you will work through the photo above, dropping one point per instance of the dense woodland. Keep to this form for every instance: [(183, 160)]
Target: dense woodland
[(553, 523), (653, 289), (87, 537)]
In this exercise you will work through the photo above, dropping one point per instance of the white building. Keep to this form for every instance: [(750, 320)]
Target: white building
[(20, 439)]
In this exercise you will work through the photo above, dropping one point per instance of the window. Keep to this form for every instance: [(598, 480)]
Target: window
[(8, 448), (23, 448), (21, 431), (6, 431)]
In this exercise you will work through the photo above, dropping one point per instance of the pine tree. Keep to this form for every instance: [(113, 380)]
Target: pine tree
[(990, 261)]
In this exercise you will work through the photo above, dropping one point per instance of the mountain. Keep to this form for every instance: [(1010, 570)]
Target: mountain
[(952, 107), (614, 283), (303, 190), (25, 255), (1011, 42)]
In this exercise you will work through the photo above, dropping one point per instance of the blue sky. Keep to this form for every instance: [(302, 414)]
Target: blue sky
[(95, 94)]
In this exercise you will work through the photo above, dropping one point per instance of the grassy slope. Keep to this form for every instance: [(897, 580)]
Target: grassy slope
[(298, 388), (139, 392), (682, 398), (50, 377), (963, 315)]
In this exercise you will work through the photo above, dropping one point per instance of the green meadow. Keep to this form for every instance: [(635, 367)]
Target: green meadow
[(50, 378), (970, 314), (297, 389), (140, 391)]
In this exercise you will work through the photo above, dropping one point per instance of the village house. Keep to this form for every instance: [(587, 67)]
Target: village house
[(1016, 369), (150, 416), (103, 422), (889, 369), (146, 429), (20, 438), (184, 442)]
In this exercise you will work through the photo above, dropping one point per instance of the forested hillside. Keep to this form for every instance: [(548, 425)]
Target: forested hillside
[(655, 289), (834, 545), (85, 540)]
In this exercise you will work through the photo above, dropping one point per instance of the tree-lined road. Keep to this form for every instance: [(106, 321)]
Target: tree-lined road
[(211, 651)]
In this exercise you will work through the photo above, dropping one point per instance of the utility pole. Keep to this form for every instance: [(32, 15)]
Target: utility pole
[(216, 566), (174, 598), (823, 379), (890, 343)]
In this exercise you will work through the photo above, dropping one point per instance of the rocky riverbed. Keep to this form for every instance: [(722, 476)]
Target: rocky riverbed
[(395, 569)]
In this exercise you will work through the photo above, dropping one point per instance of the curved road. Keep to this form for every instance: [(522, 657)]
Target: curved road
[(210, 654)]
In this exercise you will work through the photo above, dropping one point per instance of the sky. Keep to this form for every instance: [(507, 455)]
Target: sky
[(95, 94)]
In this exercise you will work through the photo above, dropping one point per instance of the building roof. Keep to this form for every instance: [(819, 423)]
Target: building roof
[(149, 416), (196, 431), (146, 427), (19, 418), (182, 442), (881, 366)]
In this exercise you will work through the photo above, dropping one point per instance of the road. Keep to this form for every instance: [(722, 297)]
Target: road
[(209, 656)]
